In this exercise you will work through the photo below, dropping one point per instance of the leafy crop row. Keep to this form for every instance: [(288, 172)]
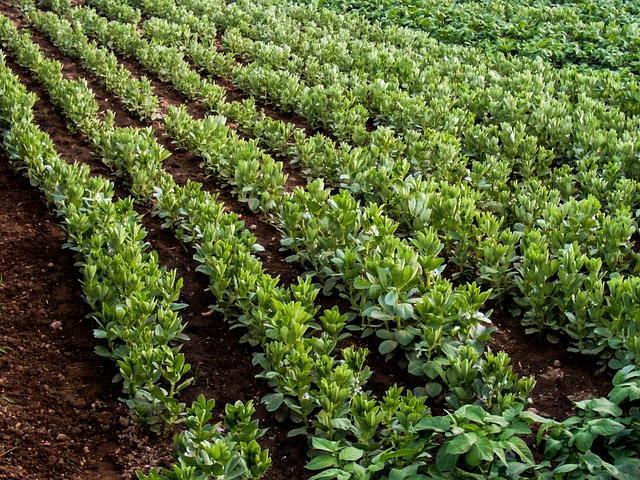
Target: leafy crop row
[(211, 135), (134, 299), (583, 332), (512, 258), (356, 435), (588, 35), (390, 300)]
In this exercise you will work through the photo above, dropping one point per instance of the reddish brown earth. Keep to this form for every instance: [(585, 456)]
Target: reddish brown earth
[(59, 411)]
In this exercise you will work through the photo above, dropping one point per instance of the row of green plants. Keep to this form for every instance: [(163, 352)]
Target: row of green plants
[(341, 96), (469, 441), (588, 35), (302, 293), (387, 301), (464, 309), (383, 53), (136, 94), (134, 299), (389, 343), (333, 449), (515, 140), (582, 302)]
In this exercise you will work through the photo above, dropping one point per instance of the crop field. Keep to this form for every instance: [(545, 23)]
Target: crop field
[(319, 239)]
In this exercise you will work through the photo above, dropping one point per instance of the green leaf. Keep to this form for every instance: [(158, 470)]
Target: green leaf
[(583, 440), (324, 444), (628, 468), (329, 284), (273, 401), (331, 474), (516, 469), (379, 315), (461, 444), (103, 351), (390, 299), (404, 337), (341, 423), (321, 462), (474, 413), (604, 406), (97, 333), (351, 454), (605, 426), (433, 389), (485, 448), (551, 338), (521, 449), (438, 424), (552, 447), (360, 284), (387, 346), (297, 431), (253, 204), (404, 310), (566, 468), (444, 461), (178, 306), (385, 334)]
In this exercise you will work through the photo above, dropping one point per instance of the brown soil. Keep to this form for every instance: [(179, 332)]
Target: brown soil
[(59, 413)]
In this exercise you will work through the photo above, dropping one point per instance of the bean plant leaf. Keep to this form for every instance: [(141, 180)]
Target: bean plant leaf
[(605, 426), (462, 443), (273, 401), (324, 444), (98, 333), (583, 440), (321, 462), (605, 406), (390, 299), (404, 337), (332, 473), (341, 423), (433, 389), (444, 461), (566, 468), (387, 346), (102, 351), (404, 310), (520, 448), (437, 424), (351, 454)]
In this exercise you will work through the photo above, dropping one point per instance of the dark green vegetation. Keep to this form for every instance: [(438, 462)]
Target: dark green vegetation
[(446, 181), (587, 34)]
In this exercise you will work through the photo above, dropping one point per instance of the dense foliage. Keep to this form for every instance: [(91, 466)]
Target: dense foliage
[(440, 178), (587, 34)]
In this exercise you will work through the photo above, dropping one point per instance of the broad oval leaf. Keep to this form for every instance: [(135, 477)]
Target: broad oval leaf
[(387, 346), (351, 454), (605, 426), (404, 337), (461, 443), (321, 462)]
